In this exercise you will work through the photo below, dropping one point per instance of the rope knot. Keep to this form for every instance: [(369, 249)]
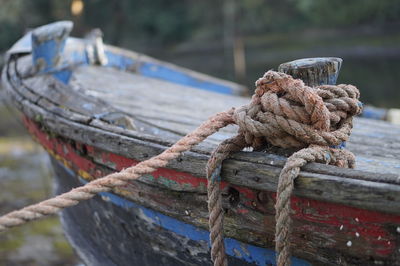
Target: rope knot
[(288, 114)]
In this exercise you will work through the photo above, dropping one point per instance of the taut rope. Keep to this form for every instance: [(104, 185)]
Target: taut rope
[(107, 183), (283, 112)]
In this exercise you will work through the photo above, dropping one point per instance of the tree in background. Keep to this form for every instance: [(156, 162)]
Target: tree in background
[(166, 22), (206, 36)]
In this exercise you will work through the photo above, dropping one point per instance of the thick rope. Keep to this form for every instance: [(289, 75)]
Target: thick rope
[(216, 213), (283, 112), (286, 113), (107, 183), (285, 187)]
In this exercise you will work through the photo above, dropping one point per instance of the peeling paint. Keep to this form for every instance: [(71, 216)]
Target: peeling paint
[(371, 226)]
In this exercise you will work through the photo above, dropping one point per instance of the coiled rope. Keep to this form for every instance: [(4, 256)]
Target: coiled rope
[(283, 112)]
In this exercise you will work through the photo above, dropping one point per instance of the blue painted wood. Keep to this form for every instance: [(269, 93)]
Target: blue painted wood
[(47, 43), (165, 73), (234, 248), (159, 71), (119, 61), (63, 75), (374, 113), (75, 56)]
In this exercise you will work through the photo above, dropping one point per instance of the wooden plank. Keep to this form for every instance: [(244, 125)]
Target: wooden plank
[(313, 71), (166, 97), (136, 145), (380, 147), (151, 67), (168, 111), (153, 237), (316, 236), (321, 189)]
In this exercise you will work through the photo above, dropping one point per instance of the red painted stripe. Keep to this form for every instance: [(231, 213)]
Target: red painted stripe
[(374, 228), (357, 223)]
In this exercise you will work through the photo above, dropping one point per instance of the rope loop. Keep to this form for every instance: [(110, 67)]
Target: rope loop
[(286, 113)]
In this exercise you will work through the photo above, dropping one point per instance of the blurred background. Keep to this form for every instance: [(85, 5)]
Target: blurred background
[(230, 39), (237, 40)]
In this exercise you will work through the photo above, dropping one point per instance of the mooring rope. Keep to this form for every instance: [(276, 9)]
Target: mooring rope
[(283, 112), (286, 113)]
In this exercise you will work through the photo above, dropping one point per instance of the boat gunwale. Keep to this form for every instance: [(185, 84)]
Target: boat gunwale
[(311, 175), (76, 53), (237, 89)]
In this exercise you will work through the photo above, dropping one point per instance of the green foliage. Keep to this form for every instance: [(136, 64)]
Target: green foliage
[(274, 31), (270, 15), (160, 22), (9, 32), (344, 12), (9, 28), (18, 16)]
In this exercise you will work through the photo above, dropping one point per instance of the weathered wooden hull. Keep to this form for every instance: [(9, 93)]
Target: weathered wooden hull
[(372, 234), (110, 230), (341, 216)]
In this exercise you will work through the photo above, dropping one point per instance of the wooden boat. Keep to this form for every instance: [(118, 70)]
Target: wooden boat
[(97, 109)]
